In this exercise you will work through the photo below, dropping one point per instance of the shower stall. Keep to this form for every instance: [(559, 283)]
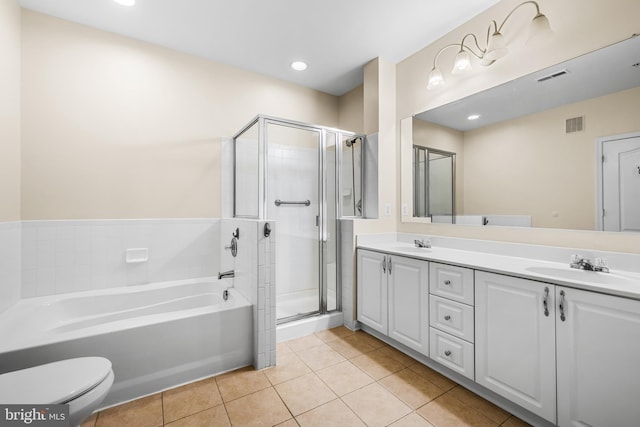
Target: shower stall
[(303, 177)]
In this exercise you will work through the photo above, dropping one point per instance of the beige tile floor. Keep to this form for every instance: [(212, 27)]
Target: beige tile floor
[(331, 378)]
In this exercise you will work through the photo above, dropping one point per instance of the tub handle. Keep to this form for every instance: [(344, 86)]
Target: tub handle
[(233, 247)]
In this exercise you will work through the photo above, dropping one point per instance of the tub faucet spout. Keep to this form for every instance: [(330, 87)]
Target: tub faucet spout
[(224, 274)]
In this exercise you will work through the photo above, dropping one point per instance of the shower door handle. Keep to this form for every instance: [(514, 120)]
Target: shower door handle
[(279, 202)]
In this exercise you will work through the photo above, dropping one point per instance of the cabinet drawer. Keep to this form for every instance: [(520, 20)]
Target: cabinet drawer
[(452, 317), (452, 352), (451, 282)]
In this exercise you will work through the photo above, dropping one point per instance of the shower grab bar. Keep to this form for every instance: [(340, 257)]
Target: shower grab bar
[(279, 202)]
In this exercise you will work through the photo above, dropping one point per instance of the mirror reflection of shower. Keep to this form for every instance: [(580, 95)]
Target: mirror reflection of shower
[(434, 184), (352, 176)]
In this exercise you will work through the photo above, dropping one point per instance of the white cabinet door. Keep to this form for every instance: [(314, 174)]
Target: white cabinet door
[(409, 302), (372, 290), (515, 341), (598, 359)]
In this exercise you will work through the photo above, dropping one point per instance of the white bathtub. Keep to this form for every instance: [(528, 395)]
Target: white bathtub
[(157, 336)]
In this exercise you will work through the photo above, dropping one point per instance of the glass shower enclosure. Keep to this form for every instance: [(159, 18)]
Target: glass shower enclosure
[(288, 172)]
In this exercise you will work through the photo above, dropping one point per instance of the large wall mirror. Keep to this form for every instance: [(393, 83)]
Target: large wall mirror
[(534, 155)]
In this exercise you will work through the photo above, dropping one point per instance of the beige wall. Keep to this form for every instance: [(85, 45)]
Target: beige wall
[(379, 99), (530, 166), (9, 111), (579, 27), (117, 128), (352, 110)]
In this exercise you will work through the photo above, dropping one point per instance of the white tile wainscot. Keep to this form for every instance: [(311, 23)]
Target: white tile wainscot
[(70, 256), (10, 254)]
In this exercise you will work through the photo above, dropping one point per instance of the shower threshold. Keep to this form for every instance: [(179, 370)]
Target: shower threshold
[(308, 325), (303, 303)]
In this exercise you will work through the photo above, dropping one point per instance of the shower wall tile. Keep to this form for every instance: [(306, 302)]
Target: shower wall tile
[(10, 255), (267, 256), (68, 256), (290, 166), (347, 273), (254, 280)]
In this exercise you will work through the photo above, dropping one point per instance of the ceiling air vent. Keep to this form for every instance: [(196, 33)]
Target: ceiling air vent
[(575, 124), (552, 75)]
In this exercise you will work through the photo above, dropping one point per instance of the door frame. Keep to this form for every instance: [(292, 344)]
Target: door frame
[(598, 159)]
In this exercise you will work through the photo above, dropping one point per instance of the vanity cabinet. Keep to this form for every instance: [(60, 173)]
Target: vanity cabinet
[(568, 355), (451, 317), (546, 346), (598, 357), (372, 298), (393, 297), (515, 341)]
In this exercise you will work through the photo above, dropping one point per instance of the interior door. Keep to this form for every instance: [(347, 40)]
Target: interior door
[(621, 185)]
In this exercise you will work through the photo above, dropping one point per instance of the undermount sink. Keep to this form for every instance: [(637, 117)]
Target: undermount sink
[(584, 275), (410, 248)]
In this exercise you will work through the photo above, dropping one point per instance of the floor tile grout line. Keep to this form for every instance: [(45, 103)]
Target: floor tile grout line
[(162, 407), (226, 411), (467, 400), (402, 400), (284, 403)]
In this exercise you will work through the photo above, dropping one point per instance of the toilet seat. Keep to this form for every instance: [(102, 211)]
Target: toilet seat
[(54, 383)]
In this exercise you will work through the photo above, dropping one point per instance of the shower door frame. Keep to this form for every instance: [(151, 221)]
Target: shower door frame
[(263, 172)]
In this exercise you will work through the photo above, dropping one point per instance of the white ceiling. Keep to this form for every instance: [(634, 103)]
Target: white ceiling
[(335, 37)]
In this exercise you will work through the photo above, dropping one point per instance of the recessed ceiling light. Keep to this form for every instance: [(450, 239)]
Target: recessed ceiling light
[(126, 2), (473, 117), (299, 65)]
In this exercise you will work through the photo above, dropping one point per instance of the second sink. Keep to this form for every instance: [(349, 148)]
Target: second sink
[(583, 276)]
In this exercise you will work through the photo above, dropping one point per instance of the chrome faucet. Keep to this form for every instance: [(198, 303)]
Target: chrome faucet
[(599, 264), (422, 243), (226, 274)]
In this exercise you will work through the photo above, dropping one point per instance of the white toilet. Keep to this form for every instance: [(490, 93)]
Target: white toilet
[(81, 383)]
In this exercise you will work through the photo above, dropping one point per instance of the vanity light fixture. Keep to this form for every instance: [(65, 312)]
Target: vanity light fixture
[(495, 49), (299, 65), (126, 2)]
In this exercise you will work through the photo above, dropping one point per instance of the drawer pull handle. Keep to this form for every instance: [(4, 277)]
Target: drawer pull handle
[(447, 353), (447, 317), (447, 282)]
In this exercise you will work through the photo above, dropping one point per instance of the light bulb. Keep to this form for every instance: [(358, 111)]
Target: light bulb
[(299, 65), (435, 79), (461, 63), (496, 48), (539, 28)]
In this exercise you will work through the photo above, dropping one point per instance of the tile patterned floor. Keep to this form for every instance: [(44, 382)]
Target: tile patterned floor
[(331, 378)]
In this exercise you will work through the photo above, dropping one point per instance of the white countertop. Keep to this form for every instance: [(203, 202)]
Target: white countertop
[(620, 283)]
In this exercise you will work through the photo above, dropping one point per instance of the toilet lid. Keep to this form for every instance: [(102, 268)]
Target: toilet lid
[(53, 383)]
